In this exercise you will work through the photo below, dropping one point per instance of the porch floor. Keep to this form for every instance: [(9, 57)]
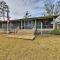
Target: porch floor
[(24, 34), (31, 37)]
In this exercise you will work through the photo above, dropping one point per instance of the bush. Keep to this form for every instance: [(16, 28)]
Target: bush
[(56, 32)]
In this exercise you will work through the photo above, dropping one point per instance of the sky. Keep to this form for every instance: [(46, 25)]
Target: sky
[(18, 8)]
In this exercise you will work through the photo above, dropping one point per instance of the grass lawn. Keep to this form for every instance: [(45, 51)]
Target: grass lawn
[(42, 48)]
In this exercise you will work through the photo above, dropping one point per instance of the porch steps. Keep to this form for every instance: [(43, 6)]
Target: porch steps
[(23, 34), (26, 32), (30, 37)]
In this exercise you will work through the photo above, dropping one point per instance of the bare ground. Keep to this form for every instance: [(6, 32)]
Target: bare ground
[(41, 48)]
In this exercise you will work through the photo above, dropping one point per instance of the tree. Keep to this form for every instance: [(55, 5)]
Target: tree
[(27, 14), (57, 8), (4, 10), (49, 6)]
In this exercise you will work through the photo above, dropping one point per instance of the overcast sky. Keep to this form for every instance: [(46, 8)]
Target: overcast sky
[(19, 7)]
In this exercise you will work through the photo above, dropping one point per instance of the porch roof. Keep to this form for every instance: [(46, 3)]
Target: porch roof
[(48, 17), (34, 18)]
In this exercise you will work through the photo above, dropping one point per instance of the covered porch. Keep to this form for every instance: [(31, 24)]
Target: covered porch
[(39, 23)]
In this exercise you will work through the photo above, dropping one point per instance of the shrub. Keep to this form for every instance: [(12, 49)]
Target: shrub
[(56, 32)]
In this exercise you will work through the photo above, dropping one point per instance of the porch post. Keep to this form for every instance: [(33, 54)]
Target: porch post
[(53, 25), (2, 25), (28, 24), (7, 27), (21, 24), (24, 24), (18, 25), (35, 23), (41, 27)]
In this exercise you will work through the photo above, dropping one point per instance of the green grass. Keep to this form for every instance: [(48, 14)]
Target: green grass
[(42, 48), (55, 32)]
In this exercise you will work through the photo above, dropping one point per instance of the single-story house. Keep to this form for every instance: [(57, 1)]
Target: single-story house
[(39, 23)]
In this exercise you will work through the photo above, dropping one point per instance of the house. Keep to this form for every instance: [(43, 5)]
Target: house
[(42, 23), (56, 22)]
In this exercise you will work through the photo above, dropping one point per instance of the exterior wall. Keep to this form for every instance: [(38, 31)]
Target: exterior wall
[(46, 24), (58, 26), (2, 26), (29, 24)]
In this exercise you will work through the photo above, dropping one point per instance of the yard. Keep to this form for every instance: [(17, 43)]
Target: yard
[(42, 48)]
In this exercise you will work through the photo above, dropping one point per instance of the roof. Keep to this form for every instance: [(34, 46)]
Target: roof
[(42, 17), (33, 18), (57, 20), (47, 17)]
